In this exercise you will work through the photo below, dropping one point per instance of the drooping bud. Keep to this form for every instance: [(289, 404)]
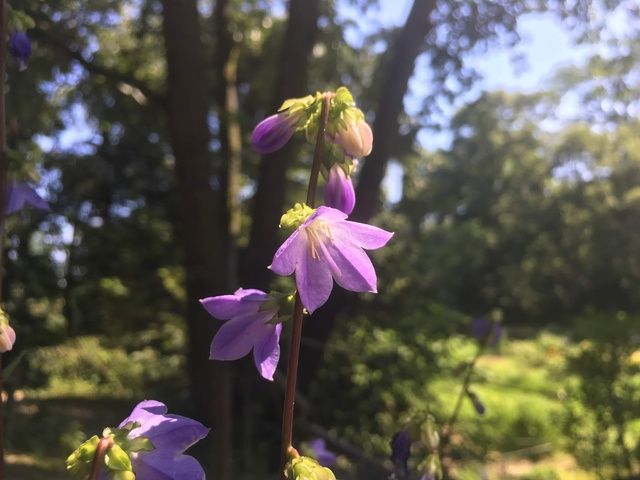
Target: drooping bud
[(7, 334), (20, 48), (355, 138), (274, 132), (338, 191), (296, 216), (400, 452), (306, 468)]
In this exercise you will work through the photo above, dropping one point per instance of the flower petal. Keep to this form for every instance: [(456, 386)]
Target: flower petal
[(266, 353), (363, 235), (313, 279), (242, 302), (351, 267), (157, 466), (236, 338), (285, 260)]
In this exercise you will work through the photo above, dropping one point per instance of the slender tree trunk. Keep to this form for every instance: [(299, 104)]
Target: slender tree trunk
[(269, 199), (399, 67), (204, 231)]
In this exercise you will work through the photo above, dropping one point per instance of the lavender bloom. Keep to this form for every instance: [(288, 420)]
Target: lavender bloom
[(400, 452), (356, 139), (20, 194), (170, 435), (318, 450), (20, 48), (481, 327), (248, 327), (327, 247), (274, 132), (338, 191)]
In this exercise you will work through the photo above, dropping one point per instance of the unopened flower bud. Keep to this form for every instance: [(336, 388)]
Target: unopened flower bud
[(20, 48), (7, 334), (274, 132), (306, 468), (356, 138), (338, 191)]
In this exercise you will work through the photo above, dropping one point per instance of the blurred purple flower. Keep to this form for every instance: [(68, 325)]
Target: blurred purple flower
[(318, 450), (274, 132), (327, 247), (400, 452), (338, 191), (20, 194), (247, 327), (482, 326), (171, 435), (20, 48)]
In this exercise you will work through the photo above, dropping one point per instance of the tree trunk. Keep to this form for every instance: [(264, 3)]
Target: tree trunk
[(399, 67), (269, 198), (202, 216)]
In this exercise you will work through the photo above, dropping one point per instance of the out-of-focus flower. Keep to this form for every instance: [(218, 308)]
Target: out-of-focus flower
[(20, 48), (355, 138), (7, 334), (318, 450), (248, 315), (147, 445), (482, 326), (274, 132), (20, 194), (338, 191), (327, 247), (400, 452)]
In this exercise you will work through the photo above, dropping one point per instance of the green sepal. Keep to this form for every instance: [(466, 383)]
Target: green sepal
[(296, 216), (79, 462), (141, 444), (18, 20), (297, 103), (117, 459), (307, 468)]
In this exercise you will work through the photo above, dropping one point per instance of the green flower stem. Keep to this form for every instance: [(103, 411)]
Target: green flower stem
[(98, 459), (298, 310)]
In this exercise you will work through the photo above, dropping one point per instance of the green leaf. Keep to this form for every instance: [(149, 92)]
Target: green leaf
[(117, 459)]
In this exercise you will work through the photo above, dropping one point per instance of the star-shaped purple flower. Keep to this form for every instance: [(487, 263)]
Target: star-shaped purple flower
[(20, 194), (318, 450), (248, 326), (327, 247), (170, 435)]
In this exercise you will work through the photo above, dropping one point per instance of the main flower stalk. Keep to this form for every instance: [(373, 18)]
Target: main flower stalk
[(298, 312)]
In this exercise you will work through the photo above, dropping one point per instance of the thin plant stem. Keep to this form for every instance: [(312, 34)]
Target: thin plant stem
[(3, 188), (298, 310), (98, 458)]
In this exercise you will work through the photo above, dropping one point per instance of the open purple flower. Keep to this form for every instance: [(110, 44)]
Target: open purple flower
[(20, 194), (318, 450), (338, 191), (170, 435), (327, 247), (400, 452), (20, 48), (248, 326), (274, 132)]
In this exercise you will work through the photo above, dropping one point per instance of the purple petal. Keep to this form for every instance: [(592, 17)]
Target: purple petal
[(20, 47), (338, 191), (351, 267), (242, 302), (145, 410), (285, 260), (319, 451), (266, 353), (157, 466), (236, 338), (18, 194), (313, 279), (364, 236), (326, 213), (273, 133)]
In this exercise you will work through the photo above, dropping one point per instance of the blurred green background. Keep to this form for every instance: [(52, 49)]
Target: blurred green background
[(506, 159)]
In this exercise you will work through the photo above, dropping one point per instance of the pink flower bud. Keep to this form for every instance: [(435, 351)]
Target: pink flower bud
[(356, 139), (338, 191), (7, 338)]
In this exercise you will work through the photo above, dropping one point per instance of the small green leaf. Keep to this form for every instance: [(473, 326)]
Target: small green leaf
[(79, 462), (117, 459)]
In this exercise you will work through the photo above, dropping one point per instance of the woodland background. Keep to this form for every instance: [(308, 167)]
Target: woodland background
[(134, 116)]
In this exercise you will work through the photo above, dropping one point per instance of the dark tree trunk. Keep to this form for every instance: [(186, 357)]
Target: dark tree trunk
[(399, 67), (204, 231), (269, 199)]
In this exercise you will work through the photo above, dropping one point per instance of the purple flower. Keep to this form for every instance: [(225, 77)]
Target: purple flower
[(400, 452), (356, 139), (327, 247), (318, 450), (20, 194), (248, 326), (338, 191), (20, 48), (481, 327), (274, 132), (170, 435)]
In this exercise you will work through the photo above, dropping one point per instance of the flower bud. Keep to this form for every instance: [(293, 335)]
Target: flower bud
[(7, 334), (20, 48), (306, 468), (296, 216), (430, 435), (356, 138), (274, 132), (338, 191), (400, 452)]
